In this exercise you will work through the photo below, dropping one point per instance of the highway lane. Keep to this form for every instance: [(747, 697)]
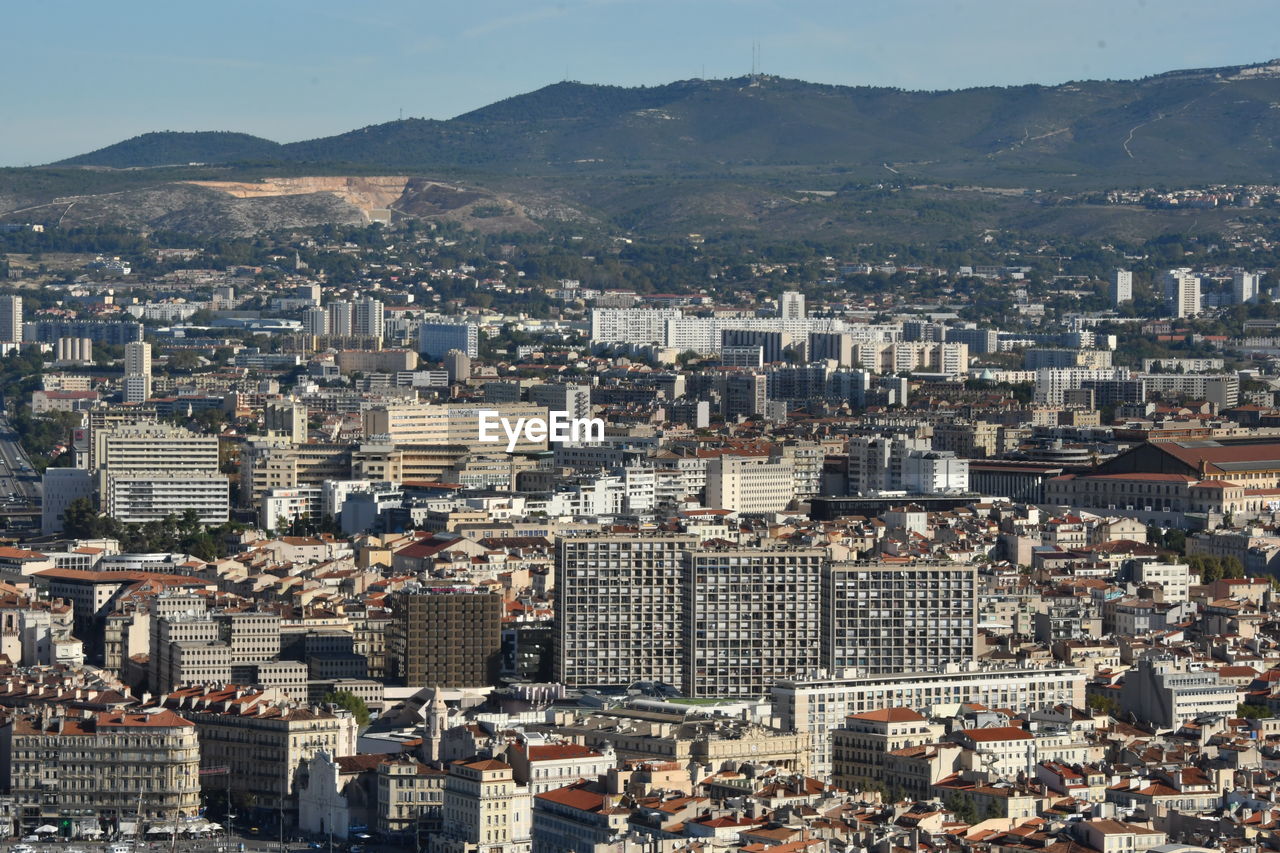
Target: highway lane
[(19, 484)]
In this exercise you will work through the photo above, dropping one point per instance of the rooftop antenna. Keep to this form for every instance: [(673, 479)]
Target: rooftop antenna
[(755, 48), (402, 113)]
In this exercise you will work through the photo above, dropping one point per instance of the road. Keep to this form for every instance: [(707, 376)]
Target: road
[(19, 483)]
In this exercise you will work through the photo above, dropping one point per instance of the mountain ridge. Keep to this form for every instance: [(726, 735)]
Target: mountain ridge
[(1173, 126)]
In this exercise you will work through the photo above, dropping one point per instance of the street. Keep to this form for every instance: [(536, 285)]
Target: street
[(19, 483)]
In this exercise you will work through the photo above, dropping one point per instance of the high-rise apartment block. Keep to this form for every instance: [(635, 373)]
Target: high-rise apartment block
[(791, 306), (1244, 286), (10, 319), (898, 618), (137, 372), (315, 321), (1182, 292), (734, 621), (749, 619), (1121, 286), (341, 318), (437, 338), (618, 609), (368, 319)]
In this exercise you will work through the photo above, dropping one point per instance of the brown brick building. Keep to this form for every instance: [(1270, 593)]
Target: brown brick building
[(449, 635)]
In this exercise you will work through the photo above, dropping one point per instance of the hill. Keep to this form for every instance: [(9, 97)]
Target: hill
[(171, 148), (1183, 127)]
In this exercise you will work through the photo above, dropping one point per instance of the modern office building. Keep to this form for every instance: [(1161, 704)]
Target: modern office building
[(619, 612), (445, 634), (751, 618), (883, 618)]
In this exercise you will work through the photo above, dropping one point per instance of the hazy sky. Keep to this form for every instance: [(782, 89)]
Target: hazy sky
[(78, 75)]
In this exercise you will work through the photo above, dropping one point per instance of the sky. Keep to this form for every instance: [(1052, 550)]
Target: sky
[(81, 74)]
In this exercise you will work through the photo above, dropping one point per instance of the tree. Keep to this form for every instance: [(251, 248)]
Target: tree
[(80, 520), (350, 702), (1105, 704), (1232, 567), (1253, 712)]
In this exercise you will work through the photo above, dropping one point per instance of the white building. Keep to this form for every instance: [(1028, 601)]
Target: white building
[(1165, 693), (1182, 292), (817, 706), (1053, 382), (1245, 287), (791, 306), (1121, 286), (290, 505), (931, 472), (750, 483), (368, 318), (137, 372), (341, 318)]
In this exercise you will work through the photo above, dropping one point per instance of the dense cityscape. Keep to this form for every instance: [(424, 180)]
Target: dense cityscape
[(361, 495)]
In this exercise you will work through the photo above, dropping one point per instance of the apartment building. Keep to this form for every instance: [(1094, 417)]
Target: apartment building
[(280, 464), (816, 706), (751, 619), (750, 483), (860, 748), (883, 618), (137, 372), (1182, 292), (410, 797), (10, 319), (1221, 389), (455, 424), (425, 644), (1052, 383), (1121, 289), (100, 767), (1167, 693), (484, 810), (261, 736), (617, 603), (149, 471), (435, 339)]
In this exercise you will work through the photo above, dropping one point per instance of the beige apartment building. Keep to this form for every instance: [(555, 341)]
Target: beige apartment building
[(484, 810), (261, 736), (450, 423), (750, 483), (104, 766), (861, 748)]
